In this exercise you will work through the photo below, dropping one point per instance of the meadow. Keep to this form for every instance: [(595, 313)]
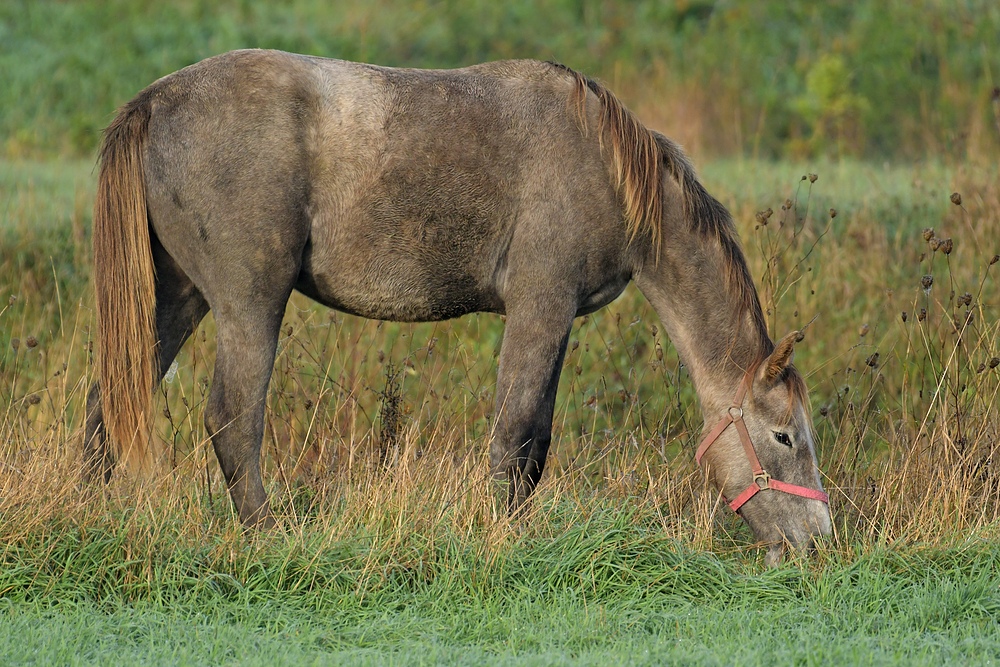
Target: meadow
[(393, 546)]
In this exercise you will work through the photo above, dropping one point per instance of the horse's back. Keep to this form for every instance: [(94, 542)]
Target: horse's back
[(396, 193)]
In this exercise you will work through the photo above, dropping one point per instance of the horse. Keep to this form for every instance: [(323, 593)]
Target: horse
[(521, 188)]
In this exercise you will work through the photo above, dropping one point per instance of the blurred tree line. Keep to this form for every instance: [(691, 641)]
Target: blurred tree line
[(900, 79)]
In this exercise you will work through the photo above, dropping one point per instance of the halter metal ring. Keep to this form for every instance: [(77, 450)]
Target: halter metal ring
[(736, 412), (763, 481)]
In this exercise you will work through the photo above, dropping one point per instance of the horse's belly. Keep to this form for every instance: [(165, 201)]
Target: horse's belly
[(395, 288)]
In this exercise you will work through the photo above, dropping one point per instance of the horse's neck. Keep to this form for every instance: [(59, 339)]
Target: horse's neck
[(714, 329)]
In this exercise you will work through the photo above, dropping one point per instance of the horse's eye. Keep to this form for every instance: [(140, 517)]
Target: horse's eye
[(783, 438)]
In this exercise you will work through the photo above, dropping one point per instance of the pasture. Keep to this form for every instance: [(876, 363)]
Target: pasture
[(395, 548)]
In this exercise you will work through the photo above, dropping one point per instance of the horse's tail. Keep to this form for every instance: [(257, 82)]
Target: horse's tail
[(125, 287)]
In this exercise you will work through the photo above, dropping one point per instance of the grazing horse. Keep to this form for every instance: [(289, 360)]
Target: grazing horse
[(521, 188)]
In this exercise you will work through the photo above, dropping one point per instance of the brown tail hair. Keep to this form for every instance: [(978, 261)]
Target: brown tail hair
[(125, 287)]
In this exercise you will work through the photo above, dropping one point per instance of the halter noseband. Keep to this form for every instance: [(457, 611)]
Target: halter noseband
[(761, 480)]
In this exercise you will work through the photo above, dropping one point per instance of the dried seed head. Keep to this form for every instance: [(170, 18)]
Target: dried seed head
[(31, 342), (768, 212), (788, 204), (813, 177), (578, 370), (928, 233), (926, 282), (653, 330), (994, 362), (574, 345), (11, 300), (659, 353), (308, 404), (863, 330), (15, 343), (872, 360), (947, 246), (981, 368), (903, 316), (34, 399), (956, 199), (824, 410), (833, 213), (381, 356), (994, 259), (934, 243), (804, 177), (965, 299), (922, 315)]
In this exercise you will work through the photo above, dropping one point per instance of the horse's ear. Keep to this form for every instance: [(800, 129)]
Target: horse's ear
[(779, 360)]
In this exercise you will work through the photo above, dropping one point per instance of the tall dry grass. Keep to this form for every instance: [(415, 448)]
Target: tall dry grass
[(379, 432)]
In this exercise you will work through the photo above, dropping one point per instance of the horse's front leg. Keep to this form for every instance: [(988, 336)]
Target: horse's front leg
[(534, 344)]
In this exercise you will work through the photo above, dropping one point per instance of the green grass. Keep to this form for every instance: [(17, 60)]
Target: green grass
[(608, 590)]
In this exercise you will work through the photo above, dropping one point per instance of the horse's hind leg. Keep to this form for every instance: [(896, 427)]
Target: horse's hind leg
[(248, 305), (235, 412), (179, 309), (534, 344)]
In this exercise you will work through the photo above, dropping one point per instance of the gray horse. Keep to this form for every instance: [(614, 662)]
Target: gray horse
[(521, 188)]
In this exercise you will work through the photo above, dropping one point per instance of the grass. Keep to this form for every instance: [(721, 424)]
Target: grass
[(608, 590), (394, 548)]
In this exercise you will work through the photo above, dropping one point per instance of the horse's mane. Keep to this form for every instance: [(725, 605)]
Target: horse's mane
[(639, 156), (635, 152)]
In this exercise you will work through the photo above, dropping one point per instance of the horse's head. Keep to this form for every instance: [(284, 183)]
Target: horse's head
[(761, 455)]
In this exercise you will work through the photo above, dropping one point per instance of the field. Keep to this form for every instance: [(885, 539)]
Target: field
[(394, 547)]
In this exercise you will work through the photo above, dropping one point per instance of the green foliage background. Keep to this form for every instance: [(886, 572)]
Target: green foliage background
[(887, 78)]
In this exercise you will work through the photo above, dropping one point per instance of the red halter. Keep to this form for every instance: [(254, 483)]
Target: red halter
[(761, 480)]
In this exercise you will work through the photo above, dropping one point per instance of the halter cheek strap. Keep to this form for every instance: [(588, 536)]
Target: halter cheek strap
[(761, 480)]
